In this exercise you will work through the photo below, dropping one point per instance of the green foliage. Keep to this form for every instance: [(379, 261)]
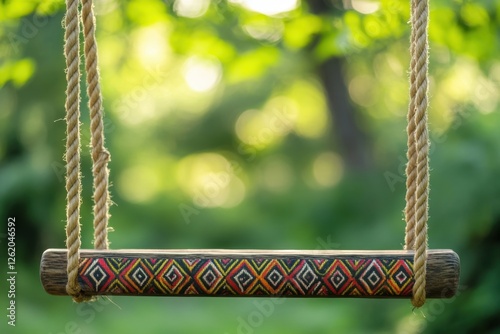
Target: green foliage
[(219, 89)]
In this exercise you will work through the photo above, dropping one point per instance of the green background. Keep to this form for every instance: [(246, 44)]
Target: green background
[(191, 88)]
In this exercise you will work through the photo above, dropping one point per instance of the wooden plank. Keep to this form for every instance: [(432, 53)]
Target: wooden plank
[(257, 273)]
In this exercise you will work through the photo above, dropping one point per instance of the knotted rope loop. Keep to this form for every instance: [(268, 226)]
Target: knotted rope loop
[(100, 156)]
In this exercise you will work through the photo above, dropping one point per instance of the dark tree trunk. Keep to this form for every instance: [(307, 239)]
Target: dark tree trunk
[(352, 141)]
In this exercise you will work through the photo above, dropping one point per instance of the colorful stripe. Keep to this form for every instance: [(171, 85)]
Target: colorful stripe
[(277, 276)]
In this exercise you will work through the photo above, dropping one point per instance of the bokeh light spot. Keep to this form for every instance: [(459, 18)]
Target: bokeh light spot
[(270, 8), (191, 8), (202, 74), (365, 6), (327, 169), (139, 184), (275, 174), (210, 180)]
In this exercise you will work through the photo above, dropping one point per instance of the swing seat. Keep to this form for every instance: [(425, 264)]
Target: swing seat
[(268, 273), (254, 273)]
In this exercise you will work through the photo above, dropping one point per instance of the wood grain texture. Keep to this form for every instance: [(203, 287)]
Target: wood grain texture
[(266, 273)]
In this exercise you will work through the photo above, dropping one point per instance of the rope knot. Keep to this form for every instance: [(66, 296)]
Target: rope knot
[(103, 157)]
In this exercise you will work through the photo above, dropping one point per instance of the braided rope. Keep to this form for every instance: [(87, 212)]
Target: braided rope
[(417, 170), (411, 167), (73, 182), (100, 155)]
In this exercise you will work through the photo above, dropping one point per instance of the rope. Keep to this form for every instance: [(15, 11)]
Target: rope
[(417, 169), (411, 167), (73, 182), (100, 155)]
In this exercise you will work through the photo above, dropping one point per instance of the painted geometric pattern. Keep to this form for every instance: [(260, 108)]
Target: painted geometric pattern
[(240, 276)]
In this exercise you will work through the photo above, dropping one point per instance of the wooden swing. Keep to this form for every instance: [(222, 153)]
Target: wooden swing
[(415, 272)]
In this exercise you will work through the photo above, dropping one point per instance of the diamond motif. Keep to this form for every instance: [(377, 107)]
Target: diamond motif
[(244, 278), (137, 275), (306, 276), (338, 277), (400, 276), (174, 276), (171, 278), (98, 275), (273, 276), (140, 276), (208, 277), (372, 277)]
